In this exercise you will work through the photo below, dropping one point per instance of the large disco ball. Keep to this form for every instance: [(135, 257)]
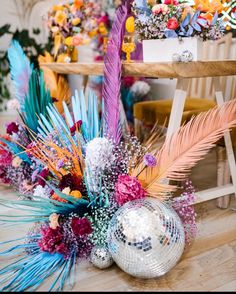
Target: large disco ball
[(146, 238)]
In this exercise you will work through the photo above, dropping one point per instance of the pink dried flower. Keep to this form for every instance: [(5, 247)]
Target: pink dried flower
[(128, 188), (5, 157), (81, 226), (184, 207), (171, 2), (12, 128), (160, 8), (52, 241)]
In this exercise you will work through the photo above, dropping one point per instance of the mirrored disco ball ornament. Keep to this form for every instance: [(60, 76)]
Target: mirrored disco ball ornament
[(101, 257), (186, 56), (146, 238)]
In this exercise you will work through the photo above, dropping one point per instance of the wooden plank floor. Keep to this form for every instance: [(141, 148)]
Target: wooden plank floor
[(208, 264)]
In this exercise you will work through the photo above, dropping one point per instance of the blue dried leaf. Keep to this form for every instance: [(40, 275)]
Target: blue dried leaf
[(202, 22), (170, 34), (197, 27), (190, 31), (195, 16), (186, 21), (214, 19)]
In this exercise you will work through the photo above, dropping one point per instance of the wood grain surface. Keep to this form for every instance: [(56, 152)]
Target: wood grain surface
[(153, 70), (208, 264)]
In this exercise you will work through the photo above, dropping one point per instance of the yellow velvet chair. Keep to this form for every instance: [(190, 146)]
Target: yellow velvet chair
[(147, 113)]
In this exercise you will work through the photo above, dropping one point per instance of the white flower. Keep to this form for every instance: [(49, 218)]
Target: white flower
[(67, 59), (140, 88), (16, 162), (53, 221), (13, 104), (99, 154), (43, 192), (66, 191)]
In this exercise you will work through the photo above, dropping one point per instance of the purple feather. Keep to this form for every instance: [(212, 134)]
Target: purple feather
[(112, 75)]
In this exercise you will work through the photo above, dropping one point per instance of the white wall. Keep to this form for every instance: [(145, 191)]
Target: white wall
[(24, 14)]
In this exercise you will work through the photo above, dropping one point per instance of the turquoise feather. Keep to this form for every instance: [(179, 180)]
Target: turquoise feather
[(36, 101), (20, 70), (90, 119)]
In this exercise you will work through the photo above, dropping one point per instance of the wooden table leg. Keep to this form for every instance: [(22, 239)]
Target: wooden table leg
[(177, 106), (228, 143)]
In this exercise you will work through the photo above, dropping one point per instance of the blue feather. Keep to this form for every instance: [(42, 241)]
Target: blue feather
[(20, 70), (30, 271)]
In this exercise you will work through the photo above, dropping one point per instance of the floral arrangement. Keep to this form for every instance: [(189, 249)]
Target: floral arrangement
[(76, 23), (172, 19), (85, 171)]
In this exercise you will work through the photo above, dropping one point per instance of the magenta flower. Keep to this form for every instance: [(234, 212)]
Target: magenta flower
[(52, 241), (128, 188), (169, 2), (5, 158), (43, 174), (75, 127), (81, 226), (12, 128), (150, 160)]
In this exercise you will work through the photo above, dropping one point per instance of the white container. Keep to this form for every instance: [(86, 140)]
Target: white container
[(162, 50), (85, 53)]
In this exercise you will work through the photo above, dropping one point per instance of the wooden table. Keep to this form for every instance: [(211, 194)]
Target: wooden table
[(182, 72)]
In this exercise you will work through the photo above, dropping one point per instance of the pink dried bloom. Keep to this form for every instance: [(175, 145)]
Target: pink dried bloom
[(5, 157), (52, 241), (184, 207), (128, 188)]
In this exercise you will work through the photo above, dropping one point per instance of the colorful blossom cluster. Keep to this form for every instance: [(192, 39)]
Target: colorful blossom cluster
[(171, 19), (76, 23)]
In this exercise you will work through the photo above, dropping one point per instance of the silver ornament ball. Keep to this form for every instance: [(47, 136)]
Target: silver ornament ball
[(186, 56), (176, 57), (100, 257), (146, 238)]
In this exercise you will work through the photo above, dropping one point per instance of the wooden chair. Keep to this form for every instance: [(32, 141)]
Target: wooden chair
[(149, 112)]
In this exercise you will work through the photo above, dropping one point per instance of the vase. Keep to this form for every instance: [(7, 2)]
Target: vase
[(85, 53), (162, 50)]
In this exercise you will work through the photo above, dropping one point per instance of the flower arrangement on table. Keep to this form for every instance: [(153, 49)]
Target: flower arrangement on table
[(74, 24), (171, 19), (99, 193)]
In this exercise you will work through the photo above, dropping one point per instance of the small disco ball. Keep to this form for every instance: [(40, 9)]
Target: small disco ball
[(186, 56), (146, 238), (176, 57), (100, 257)]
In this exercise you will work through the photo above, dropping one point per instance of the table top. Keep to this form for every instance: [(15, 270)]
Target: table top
[(194, 69)]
